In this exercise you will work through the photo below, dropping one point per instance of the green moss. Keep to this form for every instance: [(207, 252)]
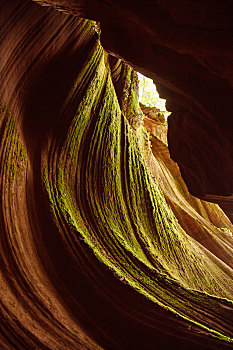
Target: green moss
[(14, 155), (101, 187)]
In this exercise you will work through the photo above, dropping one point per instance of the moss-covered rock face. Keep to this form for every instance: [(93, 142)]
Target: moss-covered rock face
[(186, 48), (102, 244)]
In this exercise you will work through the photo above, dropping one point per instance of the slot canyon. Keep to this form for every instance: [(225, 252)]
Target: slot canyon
[(116, 223)]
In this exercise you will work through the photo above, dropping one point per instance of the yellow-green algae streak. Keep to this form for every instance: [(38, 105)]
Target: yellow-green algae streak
[(98, 185), (13, 155)]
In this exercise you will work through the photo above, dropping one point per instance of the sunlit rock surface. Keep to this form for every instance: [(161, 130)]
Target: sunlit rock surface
[(186, 47), (102, 245)]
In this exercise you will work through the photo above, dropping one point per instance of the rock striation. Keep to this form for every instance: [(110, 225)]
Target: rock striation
[(186, 48), (102, 244)]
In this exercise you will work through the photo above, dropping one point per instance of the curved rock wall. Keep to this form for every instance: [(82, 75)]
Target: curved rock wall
[(187, 49), (101, 244)]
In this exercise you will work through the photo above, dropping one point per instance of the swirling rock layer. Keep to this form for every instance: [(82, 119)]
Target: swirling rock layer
[(102, 245)]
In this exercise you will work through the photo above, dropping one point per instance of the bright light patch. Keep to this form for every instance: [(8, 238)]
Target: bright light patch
[(148, 95)]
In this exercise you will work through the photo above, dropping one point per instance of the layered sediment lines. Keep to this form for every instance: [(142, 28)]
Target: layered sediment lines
[(101, 244), (186, 48), (202, 220)]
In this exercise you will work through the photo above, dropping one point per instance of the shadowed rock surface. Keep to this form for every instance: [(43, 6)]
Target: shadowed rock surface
[(102, 244)]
